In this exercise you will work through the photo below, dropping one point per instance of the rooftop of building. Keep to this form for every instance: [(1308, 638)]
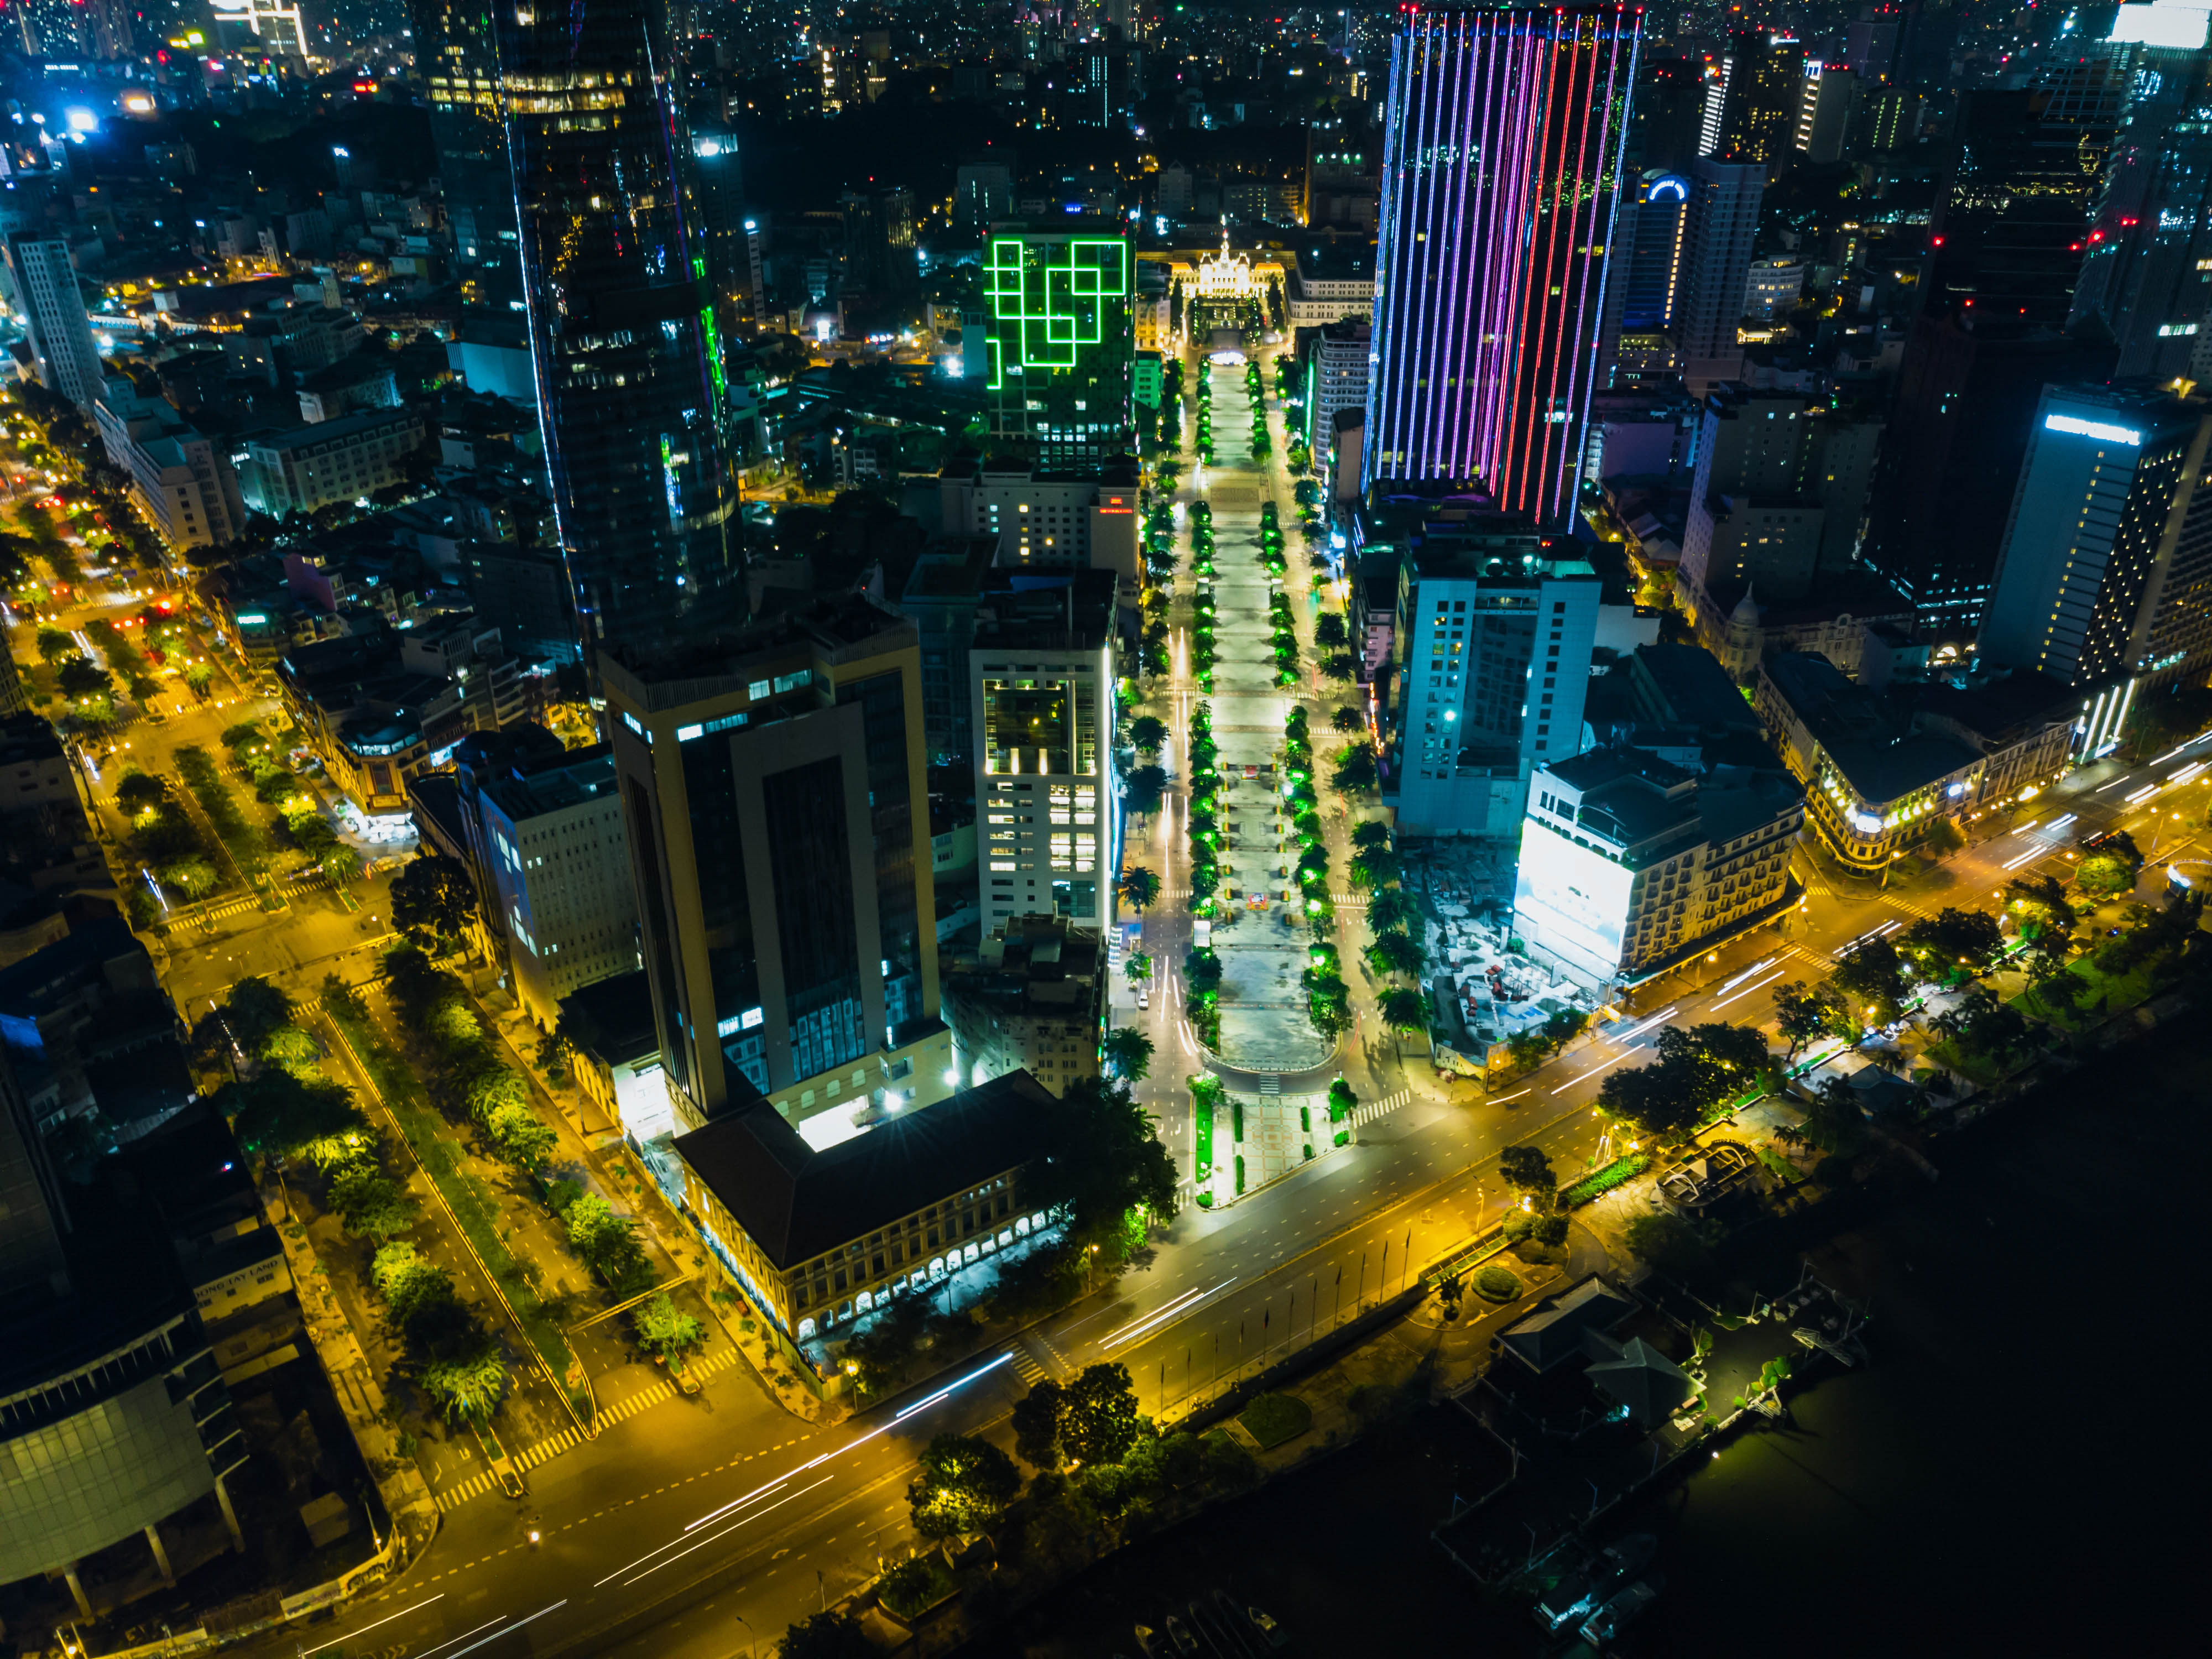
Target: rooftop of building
[(795, 1202), (1045, 960), (1650, 805), (585, 776), (324, 432), (105, 949), (1871, 739), (1061, 611), (612, 1019), (950, 568), (713, 660)]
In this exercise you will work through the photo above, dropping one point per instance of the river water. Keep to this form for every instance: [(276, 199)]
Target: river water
[(2015, 1473)]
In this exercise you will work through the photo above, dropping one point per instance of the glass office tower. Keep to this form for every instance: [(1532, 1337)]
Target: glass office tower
[(1503, 140), (623, 340)]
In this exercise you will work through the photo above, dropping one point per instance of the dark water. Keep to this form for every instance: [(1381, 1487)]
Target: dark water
[(2018, 1472)]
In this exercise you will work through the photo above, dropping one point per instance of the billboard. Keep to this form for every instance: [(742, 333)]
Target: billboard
[(1570, 904)]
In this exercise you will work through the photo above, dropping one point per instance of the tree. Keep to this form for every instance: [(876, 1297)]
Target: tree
[(1141, 887), (963, 1487), (1355, 773), (79, 678), (138, 793), (827, 1635), (469, 1385), (1695, 1071), (1342, 1100), (54, 645), (1564, 1027), (1405, 1011), (194, 877), (1391, 909), (1348, 719), (2113, 867), (371, 1203), (1129, 1052), (1102, 1160), (1834, 1123), (524, 1138), (1145, 786), (665, 1329), (1098, 1420), (1329, 632), (1148, 733), (340, 864), (1668, 1242), (1201, 969), (1804, 1012), (1037, 1426), (432, 895), (1376, 867), (1395, 953), (607, 1242), (1944, 837), (1528, 1170), (1953, 940), (1873, 977), (1371, 836), (278, 1112), (493, 1088)]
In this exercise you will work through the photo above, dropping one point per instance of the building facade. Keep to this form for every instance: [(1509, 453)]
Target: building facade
[(1042, 709), (1060, 340), (1034, 1001), (775, 790), (1491, 280), (341, 460), (52, 306), (183, 484), (1631, 864), (1047, 519), (632, 395), (2106, 567)]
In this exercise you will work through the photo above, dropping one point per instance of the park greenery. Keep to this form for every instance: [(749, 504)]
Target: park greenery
[(1699, 1073)]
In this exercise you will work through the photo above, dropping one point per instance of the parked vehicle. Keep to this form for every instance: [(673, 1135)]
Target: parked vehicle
[(1267, 1629), (1179, 1633)]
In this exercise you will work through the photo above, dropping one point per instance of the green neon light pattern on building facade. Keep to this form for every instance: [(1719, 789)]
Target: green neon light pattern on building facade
[(1052, 300)]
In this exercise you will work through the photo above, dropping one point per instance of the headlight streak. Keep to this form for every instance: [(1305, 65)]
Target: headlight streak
[(1187, 1303), (512, 1628), (387, 1619), (702, 1543)]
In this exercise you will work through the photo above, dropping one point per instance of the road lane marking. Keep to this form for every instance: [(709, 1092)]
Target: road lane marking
[(365, 1629), (511, 1629), (702, 1543), (464, 1636)]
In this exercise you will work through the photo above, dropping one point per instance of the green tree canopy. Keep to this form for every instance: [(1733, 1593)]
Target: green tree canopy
[(1804, 1012), (1872, 974), (1395, 953), (963, 1487), (1129, 1052), (1392, 910), (1148, 733), (1528, 1170), (432, 894), (1141, 887), (1834, 1123), (1348, 719), (830, 1634), (1099, 1421), (276, 1112), (1952, 943), (1145, 786), (665, 1329), (1103, 1160), (1037, 1426), (1405, 1010), (1696, 1070), (1355, 773)]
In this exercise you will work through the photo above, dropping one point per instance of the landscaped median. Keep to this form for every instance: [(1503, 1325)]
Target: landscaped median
[(467, 1197)]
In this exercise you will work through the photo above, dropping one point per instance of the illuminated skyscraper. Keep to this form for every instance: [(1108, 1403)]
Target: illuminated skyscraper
[(1061, 339), (457, 52), (624, 344), (1503, 141)]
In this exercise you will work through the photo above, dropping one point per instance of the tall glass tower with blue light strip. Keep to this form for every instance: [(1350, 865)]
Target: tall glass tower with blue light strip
[(1504, 133)]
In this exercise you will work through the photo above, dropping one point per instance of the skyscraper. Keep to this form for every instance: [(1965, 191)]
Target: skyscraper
[(53, 314), (1720, 226), (1764, 80), (775, 791), (2107, 568), (457, 51), (1653, 281), (1503, 131), (1060, 336), (624, 343)]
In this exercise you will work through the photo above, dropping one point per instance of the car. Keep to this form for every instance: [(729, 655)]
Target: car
[(1144, 998)]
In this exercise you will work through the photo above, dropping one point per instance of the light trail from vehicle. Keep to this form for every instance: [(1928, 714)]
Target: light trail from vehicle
[(1748, 989), (387, 1619)]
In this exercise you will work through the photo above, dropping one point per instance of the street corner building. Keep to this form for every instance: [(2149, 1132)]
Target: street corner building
[(1504, 136), (818, 1237)]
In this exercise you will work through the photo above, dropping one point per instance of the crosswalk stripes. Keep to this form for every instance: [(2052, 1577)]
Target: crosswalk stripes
[(1027, 1366), (1368, 1110), (610, 1413)]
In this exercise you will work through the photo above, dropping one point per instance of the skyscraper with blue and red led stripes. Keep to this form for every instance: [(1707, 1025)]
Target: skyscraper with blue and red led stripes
[(1502, 144)]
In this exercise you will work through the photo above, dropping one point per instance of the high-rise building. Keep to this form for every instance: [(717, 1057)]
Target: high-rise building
[(1759, 115), (1503, 131), (2010, 226), (1669, 112), (774, 791), (718, 171), (1651, 286), (457, 52), (2147, 268), (624, 343), (53, 315), (1060, 339), (1493, 645), (1720, 227), (1965, 399), (1827, 102), (2106, 567), (1042, 677)]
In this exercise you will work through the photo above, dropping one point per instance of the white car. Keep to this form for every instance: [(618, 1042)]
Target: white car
[(1144, 998)]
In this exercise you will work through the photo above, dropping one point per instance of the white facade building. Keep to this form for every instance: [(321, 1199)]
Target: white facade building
[(179, 479), (340, 460), (1047, 520), (53, 314)]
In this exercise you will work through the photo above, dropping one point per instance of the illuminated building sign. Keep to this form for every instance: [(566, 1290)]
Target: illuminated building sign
[(2097, 430), (1061, 339), (1571, 902)]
